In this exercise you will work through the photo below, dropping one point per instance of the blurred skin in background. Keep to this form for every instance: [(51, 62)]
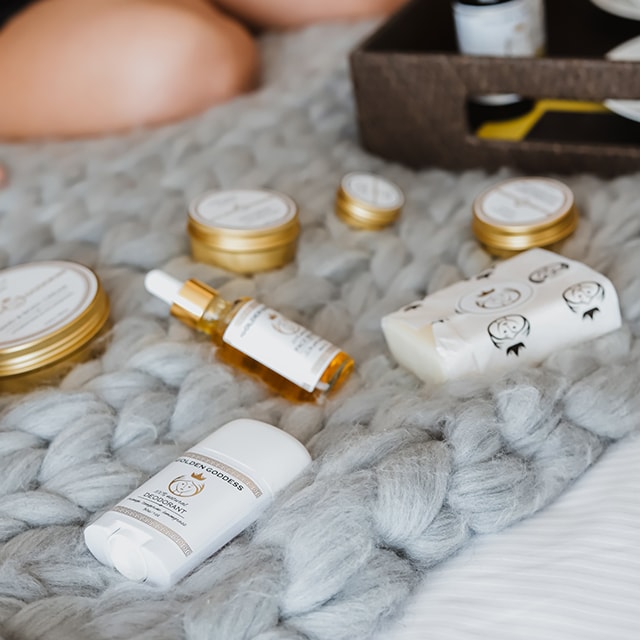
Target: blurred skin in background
[(71, 68)]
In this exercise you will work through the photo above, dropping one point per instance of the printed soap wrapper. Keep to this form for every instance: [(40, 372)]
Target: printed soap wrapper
[(519, 311)]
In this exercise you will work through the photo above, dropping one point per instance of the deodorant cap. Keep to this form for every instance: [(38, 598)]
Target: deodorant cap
[(274, 456)]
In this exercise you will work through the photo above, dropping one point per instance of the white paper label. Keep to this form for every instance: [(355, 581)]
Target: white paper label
[(243, 209), (39, 298), (279, 344), (519, 311), (525, 202), (513, 28), (373, 190), (173, 501)]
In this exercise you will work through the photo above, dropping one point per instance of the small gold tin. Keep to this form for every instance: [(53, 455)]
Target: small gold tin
[(244, 230), (367, 201), (50, 314), (522, 213)]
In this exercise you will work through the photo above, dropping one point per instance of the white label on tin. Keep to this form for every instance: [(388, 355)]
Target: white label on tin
[(243, 209), (39, 298), (372, 190), (171, 502), (524, 202), (281, 345), (513, 28)]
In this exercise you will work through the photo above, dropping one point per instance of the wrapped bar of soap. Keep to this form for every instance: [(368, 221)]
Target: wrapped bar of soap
[(519, 311)]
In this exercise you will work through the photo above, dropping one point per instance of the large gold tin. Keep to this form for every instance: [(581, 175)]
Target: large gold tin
[(50, 314)]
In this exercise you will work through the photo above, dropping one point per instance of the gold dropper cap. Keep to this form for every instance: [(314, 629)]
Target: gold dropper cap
[(192, 301)]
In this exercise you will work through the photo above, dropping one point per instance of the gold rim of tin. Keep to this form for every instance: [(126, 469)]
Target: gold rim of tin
[(240, 240), (356, 212), (350, 200), (54, 347), (244, 261), (518, 237)]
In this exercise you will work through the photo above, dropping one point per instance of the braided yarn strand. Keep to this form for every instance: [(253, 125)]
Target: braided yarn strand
[(358, 536)]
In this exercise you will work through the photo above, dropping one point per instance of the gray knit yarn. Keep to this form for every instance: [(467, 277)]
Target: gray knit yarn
[(404, 474)]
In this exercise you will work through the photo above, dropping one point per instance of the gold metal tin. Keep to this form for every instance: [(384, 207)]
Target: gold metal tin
[(367, 201), (244, 230), (531, 212), (50, 312)]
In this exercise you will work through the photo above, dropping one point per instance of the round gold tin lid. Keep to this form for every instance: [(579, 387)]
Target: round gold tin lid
[(368, 201), (48, 310), (244, 220), (522, 213)]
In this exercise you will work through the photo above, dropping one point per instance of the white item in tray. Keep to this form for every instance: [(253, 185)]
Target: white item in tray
[(518, 312), (623, 8), (629, 50)]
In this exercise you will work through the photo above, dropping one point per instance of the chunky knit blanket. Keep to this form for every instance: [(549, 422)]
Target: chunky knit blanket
[(404, 473)]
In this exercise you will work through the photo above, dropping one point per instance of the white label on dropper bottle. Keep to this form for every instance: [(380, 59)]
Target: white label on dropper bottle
[(280, 344)]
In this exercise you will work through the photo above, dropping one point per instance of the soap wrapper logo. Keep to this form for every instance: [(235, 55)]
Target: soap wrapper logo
[(585, 298), (509, 332), (521, 310)]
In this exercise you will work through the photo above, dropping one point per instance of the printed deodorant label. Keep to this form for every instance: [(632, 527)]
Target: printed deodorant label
[(283, 346), (39, 298), (171, 501), (513, 28)]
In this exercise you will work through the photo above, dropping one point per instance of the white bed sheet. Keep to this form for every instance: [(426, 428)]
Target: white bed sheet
[(571, 572)]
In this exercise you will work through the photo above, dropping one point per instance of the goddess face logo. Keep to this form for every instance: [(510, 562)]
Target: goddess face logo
[(283, 325), (187, 486)]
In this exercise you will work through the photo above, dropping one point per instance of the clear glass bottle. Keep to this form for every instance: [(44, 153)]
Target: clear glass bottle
[(290, 359), (502, 28)]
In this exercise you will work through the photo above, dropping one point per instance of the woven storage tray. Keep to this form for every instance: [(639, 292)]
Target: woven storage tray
[(411, 90)]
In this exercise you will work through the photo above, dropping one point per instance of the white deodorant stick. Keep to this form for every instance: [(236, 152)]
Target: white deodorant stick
[(195, 505)]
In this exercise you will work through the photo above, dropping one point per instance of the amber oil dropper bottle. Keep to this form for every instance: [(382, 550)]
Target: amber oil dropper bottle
[(290, 359)]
